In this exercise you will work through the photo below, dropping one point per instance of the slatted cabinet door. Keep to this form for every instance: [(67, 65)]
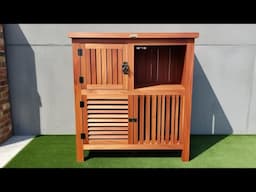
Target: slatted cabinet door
[(101, 66), (159, 119), (105, 119)]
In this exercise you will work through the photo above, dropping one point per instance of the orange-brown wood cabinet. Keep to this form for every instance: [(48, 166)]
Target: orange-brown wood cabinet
[(133, 91)]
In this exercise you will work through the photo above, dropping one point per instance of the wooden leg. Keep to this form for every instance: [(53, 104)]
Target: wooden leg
[(185, 154), (79, 150)]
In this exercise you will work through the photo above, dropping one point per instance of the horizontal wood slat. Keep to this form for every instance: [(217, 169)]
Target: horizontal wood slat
[(108, 136), (108, 111), (111, 146), (107, 107), (108, 124), (112, 116), (108, 128), (108, 102), (108, 141), (107, 119), (108, 96), (108, 132)]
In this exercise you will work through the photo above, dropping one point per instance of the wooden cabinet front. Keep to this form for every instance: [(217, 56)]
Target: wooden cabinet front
[(133, 91)]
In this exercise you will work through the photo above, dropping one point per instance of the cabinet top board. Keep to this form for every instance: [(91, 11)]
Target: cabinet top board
[(133, 35)]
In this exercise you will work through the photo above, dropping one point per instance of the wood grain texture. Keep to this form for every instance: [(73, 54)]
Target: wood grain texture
[(141, 119), (176, 121), (116, 101), (131, 147), (167, 119), (147, 121), (130, 114), (88, 72), (104, 66), (159, 110), (78, 111), (109, 66), (107, 128), (135, 115), (153, 119), (85, 118), (188, 82), (163, 119), (111, 116), (173, 119), (93, 67)]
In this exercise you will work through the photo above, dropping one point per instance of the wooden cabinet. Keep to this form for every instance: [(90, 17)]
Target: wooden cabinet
[(133, 91)]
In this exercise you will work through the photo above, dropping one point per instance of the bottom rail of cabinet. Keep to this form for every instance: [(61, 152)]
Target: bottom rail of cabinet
[(132, 146)]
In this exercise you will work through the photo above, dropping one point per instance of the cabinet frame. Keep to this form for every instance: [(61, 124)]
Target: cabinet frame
[(166, 94)]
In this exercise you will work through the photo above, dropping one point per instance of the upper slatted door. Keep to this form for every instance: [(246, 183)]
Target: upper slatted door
[(101, 66)]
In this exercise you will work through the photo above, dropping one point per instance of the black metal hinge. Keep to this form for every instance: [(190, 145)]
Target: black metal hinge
[(79, 52), (81, 104), (81, 79), (132, 119), (83, 136)]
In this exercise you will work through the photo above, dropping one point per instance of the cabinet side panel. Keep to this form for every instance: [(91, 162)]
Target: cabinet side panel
[(187, 82), (78, 112)]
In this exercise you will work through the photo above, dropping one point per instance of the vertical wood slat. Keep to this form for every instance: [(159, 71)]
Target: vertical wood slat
[(187, 81), (167, 119), (163, 119), (114, 62), (83, 67), (93, 66), (176, 118), (159, 119), (153, 119), (98, 63), (130, 114), (104, 65), (119, 66), (172, 119), (126, 78), (77, 91), (135, 115), (85, 118), (182, 109), (87, 76), (141, 119), (130, 59), (147, 110), (109, 66)]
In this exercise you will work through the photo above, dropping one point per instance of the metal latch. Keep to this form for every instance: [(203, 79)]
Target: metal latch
[(132, 119)]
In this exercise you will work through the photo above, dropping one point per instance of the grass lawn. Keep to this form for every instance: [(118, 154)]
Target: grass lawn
[(219, 151)]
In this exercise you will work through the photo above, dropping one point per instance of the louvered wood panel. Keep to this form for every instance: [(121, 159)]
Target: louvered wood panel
[(107, 120)]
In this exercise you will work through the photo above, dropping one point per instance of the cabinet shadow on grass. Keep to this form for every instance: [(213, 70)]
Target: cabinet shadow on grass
[(209, 123)]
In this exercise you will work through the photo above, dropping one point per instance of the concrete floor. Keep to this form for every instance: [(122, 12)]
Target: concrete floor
[(12, 147)]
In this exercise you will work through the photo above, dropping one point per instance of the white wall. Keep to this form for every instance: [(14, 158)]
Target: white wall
[(41, 78)]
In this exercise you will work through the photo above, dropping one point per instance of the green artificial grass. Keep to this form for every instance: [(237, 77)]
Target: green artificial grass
[(219, 151)]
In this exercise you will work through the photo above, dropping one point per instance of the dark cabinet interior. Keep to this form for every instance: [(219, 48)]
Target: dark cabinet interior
[(155, 65)]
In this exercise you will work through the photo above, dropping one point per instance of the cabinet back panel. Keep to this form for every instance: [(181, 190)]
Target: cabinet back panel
[(154, 65)]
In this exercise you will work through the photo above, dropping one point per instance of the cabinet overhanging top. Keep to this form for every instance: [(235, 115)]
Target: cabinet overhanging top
[(132, 35)]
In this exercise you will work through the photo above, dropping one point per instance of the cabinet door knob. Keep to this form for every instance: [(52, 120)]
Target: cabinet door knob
[(125, 67)]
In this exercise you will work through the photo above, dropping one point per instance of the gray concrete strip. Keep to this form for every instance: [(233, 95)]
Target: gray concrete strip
[(12, 147)]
